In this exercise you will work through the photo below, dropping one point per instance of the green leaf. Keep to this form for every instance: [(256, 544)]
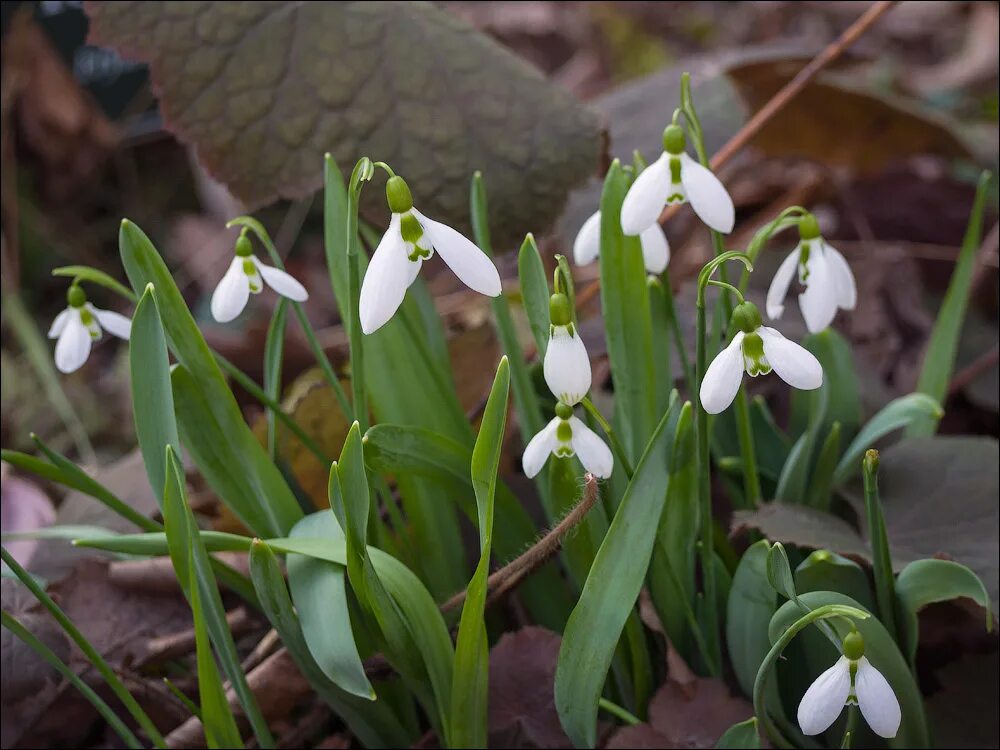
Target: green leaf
[(742, 735), (840, 380), (534, 292), (821, 482), (86, 273), (210, 419), (152, 398), (939, 359), (274, 347), (779, 571), (752, 602), (192, 567), (883, 653), (611, 590), (901, 412), (827, 571), (216, 716), (320, 596), (924, 582), (794, 478), (372, 722), (625, 306), (301, 78), (470, 681)]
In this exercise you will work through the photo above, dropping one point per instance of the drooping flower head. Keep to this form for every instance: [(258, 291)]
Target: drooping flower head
[(756, 350), (676, 178), (411, 239), (852, 680), (655, 248), (564, 437), (822, 270), (246, 276), (566, 365), (79, 325)]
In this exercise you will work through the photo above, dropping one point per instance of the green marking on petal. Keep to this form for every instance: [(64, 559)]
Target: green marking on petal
[(564, 433), (675, 170), (753, 356), (249, 268), (85, 317), (804, 250), (410, 228)]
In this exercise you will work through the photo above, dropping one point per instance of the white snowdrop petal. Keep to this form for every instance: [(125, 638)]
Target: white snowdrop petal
[(843, 278), (539, 448), (413, 270), (567, 366), (472, 266), (232, 293), (723, 377), (59, 323), (282, 282), (587, 244), (593, 452), (647, 196), (793, 363), (779, 285), (876, 700), (114, 323), (825, 698), (819, 301), (707, 196), (73, 346), (655, 248), (386, 280)]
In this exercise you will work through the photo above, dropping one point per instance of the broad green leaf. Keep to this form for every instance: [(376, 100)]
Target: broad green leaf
[(262, 99), (611, 590), (152, 398), (216, 716), (742, 735), (534, 292), (924, 582), (94, 276), (901, 412), (939, 359), (372, 722), (827, 571), (318, 590), (625, 306), (752, 602), (192, 567), (470, 681), (268, 507), (883, 653)]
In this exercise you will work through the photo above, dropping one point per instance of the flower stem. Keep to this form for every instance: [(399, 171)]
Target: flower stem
[(751, 477), (362, 173), (612, 438), (615, 710), (675, 327)]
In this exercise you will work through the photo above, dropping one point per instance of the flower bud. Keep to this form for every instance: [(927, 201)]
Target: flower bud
[(854, 645), (244, 248), (76, 297), (746, 316), (397, 193), (673, 139), (808, 227), (559, 312)]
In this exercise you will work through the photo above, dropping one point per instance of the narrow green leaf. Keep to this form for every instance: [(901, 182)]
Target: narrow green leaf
[(658, 310), (821, 482), (939, 359), (86, 273), (607, 599), (470, 681), (106, 712), (152, 397), (274, 349), (793, 482), (625, 306), (534, 292), (742, 735), (270, 507), (840, 381), (899, 413), (924, 582)]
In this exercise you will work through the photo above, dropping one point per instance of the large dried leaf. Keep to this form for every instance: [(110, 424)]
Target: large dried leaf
[(263, 89)]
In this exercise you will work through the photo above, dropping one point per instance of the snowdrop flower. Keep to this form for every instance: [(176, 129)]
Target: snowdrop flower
[(676, 178), (824, 273), (655, 248), (852, 680), (567, 364), (756, 349), (79, 325), (411, 239), (564, 437), (248, 275)]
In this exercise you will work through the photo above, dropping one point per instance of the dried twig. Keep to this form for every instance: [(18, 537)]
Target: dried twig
[(179, 644)]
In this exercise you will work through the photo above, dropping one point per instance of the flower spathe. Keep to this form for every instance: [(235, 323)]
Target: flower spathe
[(851, 680), (655, 248), (822, 270), (246, 276), (566, 365), (411, 239), (564, 437), (756, 350), (672, 179), (78, 326)]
